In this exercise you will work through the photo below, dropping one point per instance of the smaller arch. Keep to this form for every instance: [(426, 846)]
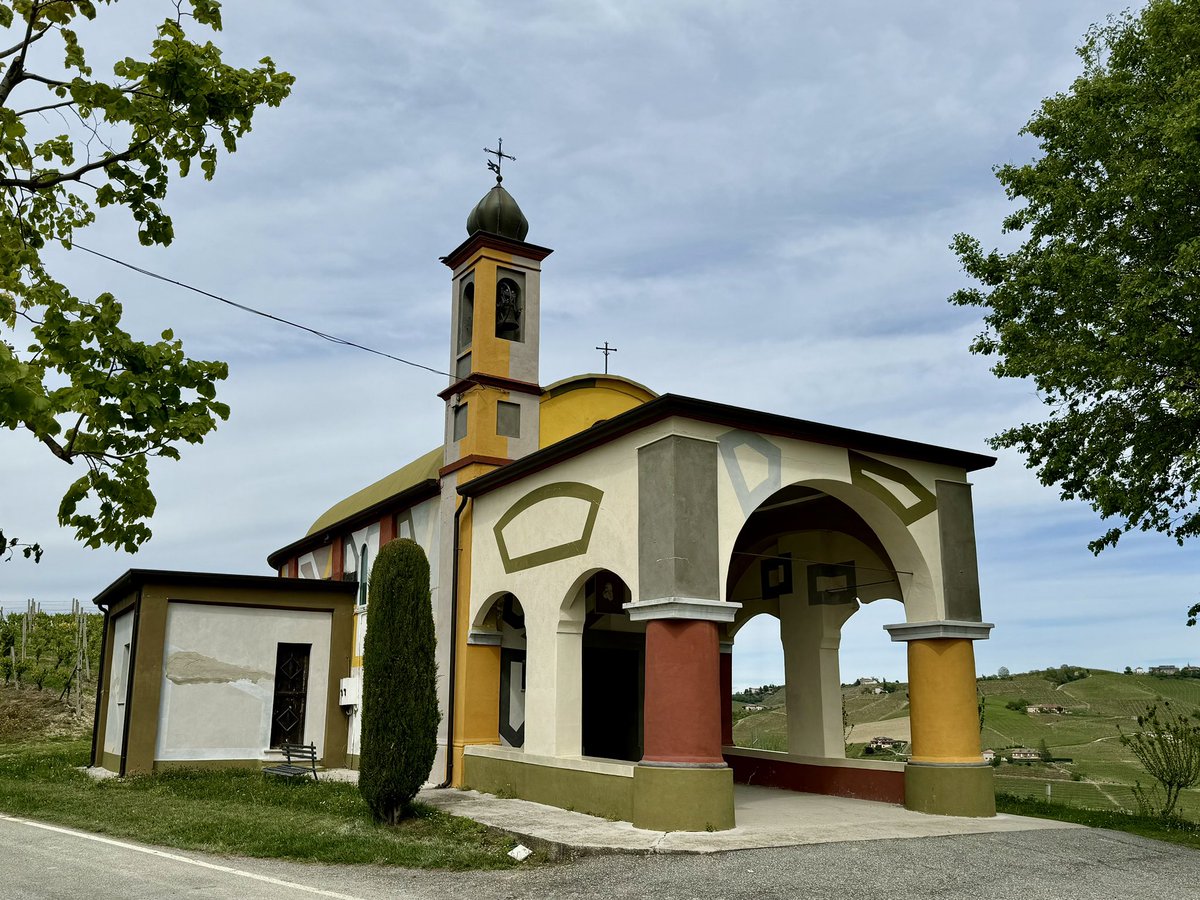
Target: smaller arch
[(487, 616), (500, 623), (751, 609), (601, 666), (572, 609)]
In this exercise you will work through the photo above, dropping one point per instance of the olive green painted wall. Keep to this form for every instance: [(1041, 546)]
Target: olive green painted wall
[(595, 793), (960, 569), (950, 790), (682, 799)]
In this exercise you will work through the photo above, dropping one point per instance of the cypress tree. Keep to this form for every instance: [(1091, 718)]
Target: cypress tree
[(399, 706)]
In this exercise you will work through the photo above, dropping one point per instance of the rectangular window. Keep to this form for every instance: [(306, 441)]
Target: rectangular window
[(123, 681), (462, 367), (460, 421), (508, 419), (466, 316), (291, 693)]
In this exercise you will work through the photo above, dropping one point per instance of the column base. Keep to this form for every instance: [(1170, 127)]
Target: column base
[(950, 790), (682, 799)]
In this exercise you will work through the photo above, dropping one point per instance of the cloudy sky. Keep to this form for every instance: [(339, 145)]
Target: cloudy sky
[(752, 201)]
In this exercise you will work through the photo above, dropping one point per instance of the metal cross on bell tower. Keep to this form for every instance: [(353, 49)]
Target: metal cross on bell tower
[(500, 157), (606, 350)]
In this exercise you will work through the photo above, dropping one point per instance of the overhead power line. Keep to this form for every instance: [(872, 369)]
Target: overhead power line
[(332, 338)]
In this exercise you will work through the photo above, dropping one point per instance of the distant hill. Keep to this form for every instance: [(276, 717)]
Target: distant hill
[(1086, 733)]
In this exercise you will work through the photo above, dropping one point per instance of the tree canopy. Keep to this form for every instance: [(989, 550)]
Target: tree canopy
[(1100, 303), (70, 141)]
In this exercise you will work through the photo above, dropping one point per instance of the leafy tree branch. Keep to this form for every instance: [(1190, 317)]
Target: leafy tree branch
[(1100, 305), (70, 376)]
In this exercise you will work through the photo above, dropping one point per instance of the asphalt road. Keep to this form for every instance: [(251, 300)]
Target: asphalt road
[(1075, 864)]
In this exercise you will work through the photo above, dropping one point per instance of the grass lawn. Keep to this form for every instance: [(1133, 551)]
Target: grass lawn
[(1175, 831), (234, 812)]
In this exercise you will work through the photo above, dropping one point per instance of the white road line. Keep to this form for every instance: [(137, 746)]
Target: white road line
[(177, 858)]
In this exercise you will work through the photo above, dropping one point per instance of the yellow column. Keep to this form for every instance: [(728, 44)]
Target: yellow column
[(943, 704), (946, 774)]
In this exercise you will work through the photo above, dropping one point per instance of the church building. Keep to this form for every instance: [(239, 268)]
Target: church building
[(594, 549)]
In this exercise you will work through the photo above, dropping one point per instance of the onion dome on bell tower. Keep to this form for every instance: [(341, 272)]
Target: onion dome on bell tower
[(493, 399), (498, 213)]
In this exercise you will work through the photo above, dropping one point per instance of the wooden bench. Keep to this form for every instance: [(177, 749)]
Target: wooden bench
[(294, 753)]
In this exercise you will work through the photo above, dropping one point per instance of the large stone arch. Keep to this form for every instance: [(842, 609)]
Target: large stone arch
[(809, 554), (888, 537)]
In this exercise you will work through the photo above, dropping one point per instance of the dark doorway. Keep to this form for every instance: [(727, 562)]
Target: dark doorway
[(614, 667), (291, 691)]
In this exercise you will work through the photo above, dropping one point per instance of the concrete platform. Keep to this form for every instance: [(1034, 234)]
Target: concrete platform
[(766, 817)]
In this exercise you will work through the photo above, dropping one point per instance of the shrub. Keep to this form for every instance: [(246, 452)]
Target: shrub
[(399, 711), (1017, 705), (1169, 750)]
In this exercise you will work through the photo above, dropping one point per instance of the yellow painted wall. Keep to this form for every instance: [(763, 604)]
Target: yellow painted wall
[(489, 353), (576, 405)]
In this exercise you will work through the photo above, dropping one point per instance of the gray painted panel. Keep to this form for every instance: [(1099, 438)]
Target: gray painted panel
[(960, 568), (677, 519)]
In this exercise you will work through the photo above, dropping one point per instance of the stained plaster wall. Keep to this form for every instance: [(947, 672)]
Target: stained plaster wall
[(219, 677)]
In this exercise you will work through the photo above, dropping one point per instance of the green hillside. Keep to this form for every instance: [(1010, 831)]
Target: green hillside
[(1091, 766)]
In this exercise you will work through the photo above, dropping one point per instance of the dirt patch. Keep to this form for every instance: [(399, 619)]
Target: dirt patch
[(27, 714), (897, 729)]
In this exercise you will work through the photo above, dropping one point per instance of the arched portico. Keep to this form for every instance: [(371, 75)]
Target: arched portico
[(810, 554)]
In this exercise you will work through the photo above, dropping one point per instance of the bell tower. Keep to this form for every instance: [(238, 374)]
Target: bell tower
[(493, 399), (492, 418)]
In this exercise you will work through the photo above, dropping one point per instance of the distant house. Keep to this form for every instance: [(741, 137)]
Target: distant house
[(866, 682), (754, 708), (878, 690), (1138, 670), (1024, 754), (1164, 670), (1047, 709), (883, 743), (989, 755), (1190, 670)]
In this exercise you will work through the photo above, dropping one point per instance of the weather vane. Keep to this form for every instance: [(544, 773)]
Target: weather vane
[(500, 157), (606, 350)]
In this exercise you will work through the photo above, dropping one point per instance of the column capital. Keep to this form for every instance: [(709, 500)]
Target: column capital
[(941, 628), (682, 608), (483, 637)]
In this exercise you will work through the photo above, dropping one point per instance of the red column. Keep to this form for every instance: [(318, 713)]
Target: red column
[(726, 698), (387, 529), (683, 693), (338, 560)]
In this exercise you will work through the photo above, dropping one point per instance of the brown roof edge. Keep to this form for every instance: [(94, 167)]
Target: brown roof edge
[(722, 414), (508, 384), (408, 497), (463, 251), (133, 579)]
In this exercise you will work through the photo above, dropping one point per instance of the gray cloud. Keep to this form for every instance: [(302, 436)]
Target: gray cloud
[(753, 201)]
